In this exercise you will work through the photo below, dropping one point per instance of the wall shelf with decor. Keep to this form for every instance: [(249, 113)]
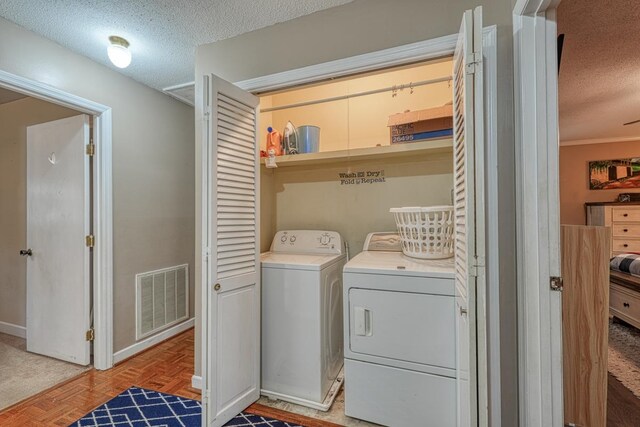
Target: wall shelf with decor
[(398, 151)]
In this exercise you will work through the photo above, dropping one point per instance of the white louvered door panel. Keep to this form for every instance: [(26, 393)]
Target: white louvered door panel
[(232, 330), (469, 219)]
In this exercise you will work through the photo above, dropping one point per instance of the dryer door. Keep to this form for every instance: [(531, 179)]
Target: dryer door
[(404, 326)]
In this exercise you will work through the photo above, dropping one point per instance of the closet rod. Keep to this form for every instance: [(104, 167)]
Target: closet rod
[(355, 95)]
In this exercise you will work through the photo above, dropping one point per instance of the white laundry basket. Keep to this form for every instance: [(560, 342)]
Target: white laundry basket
[(425, 232)]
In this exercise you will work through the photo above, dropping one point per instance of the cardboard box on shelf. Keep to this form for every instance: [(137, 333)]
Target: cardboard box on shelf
[(419, 125)]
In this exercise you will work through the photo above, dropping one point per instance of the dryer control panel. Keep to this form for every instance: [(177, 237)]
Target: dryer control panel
[(307, 242)]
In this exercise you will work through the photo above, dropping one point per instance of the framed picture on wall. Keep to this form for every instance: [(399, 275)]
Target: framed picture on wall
[(614, 174)]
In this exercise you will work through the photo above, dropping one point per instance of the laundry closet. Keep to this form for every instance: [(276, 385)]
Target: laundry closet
[(308, 174)]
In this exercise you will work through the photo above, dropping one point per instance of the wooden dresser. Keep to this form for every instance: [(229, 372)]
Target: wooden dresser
[(624, 302), (624, 220)]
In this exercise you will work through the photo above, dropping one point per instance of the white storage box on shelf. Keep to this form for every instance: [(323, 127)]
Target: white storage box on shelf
[(425, 232)]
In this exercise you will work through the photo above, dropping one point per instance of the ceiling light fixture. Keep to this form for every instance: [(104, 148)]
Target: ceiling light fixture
[(119, 52)]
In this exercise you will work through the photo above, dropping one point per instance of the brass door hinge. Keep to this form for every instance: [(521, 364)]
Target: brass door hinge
[(91, 149), (90, 335), (90, 240), (556, 283)]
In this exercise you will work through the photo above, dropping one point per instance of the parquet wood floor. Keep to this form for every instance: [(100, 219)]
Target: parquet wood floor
[(166, 367)]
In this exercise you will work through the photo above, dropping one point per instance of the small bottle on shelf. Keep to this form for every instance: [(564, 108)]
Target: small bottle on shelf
[(274, 141)]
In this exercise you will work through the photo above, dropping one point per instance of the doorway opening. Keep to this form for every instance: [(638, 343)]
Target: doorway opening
[(599, 170), (96, 123), (46, 206), (231, 284)]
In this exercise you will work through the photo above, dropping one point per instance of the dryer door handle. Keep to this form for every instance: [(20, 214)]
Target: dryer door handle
[(362, 321)]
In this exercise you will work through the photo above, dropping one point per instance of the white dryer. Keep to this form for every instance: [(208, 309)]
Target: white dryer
[(302, 328), (400, 346)]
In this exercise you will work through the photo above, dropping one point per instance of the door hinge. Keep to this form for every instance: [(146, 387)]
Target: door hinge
[(557, 283), (91, 149), (474, 60), (90, 240), (90, 335), (207, 114), (473, 271)]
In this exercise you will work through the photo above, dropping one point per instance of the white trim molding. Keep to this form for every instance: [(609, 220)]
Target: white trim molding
[(538, 214), (103, 205), (15, 330), (196, 382), (146, 343), (406, 54)]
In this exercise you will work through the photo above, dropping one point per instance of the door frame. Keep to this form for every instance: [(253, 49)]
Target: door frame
[(538, 207), (102, 205)]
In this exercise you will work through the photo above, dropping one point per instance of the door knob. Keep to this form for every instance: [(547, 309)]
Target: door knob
[(26, 252), (217, 286)]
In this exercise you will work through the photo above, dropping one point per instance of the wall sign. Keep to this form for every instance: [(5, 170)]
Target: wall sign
[(362, 177)]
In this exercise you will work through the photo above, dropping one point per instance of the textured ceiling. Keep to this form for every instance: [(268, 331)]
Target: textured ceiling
[(599, 82), (163, 33), (9, 96)]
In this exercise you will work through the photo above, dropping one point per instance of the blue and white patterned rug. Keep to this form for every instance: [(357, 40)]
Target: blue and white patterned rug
[(137, 407)]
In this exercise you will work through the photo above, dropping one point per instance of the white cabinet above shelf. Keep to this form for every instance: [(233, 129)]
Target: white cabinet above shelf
[(412, 149)]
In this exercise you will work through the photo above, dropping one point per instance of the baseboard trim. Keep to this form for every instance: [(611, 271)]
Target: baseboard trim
[(15, 330), (146, 343), (196, 382)]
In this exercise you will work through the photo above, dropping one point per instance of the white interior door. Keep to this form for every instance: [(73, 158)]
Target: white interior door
[(231, 286), (470, 228), (58, 219)]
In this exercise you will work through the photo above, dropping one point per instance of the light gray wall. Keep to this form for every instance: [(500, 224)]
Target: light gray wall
[(370, 25), (153, 162), (14, 118)]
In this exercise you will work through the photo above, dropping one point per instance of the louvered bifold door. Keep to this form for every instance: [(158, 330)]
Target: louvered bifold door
[(469, 222), (233, 321)]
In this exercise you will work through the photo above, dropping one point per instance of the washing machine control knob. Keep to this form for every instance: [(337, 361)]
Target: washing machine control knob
[(292, 239), (283, 239), (325, 239)]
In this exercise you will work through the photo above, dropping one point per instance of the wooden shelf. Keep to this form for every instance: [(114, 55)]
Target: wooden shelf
[(412, 149)]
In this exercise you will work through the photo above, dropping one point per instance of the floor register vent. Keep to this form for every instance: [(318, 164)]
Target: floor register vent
[(162, 299)]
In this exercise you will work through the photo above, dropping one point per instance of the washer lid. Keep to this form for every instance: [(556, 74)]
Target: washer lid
[(297, 261), (398, 264)]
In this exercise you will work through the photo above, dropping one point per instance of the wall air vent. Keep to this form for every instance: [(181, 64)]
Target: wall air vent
[(162, 299)]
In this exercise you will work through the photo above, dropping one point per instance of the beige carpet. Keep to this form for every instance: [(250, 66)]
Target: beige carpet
[(24, 374), (624, 355)]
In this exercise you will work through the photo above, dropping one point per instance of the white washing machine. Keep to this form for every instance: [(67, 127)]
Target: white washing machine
[(400, 346), (302, 329)]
